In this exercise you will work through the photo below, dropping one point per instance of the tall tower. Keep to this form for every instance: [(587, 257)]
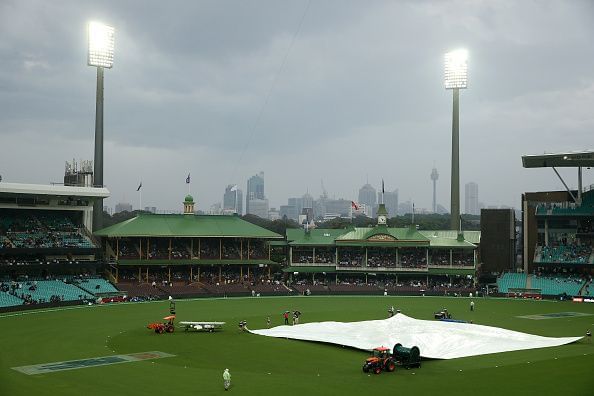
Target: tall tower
[(434, 177), (255, 190)]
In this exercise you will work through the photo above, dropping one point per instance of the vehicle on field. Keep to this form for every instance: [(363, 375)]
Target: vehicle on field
[(443, 314), (202, 326), (165, 327), (380, 360), (407, 357)]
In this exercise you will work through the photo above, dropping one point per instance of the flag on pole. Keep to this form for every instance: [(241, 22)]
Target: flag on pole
[(382, 186), (188, 179), (139, 187), (354, 205)]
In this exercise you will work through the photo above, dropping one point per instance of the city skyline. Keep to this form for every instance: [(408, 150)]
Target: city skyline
[(301, 91)]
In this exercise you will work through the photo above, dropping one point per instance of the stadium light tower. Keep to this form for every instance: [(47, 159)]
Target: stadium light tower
[(101, 45), (456, 78)]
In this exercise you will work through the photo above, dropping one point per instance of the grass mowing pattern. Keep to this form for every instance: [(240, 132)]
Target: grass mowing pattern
[(264, 366)]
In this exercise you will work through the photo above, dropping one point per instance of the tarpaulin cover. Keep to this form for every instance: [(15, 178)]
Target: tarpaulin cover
[(436, 339)]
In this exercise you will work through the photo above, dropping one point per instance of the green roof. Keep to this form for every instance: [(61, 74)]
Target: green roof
[(373, 236), (189, 199), (401, 234), (315, 236), (178, 225), (442, 236)]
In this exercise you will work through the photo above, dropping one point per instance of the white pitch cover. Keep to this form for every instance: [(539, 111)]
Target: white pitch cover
[(436, 339)]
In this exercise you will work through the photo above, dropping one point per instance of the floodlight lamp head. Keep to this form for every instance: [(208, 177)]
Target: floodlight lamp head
[(101, 45), (456, 69)]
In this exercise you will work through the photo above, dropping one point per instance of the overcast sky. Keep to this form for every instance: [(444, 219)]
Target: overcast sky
[(304, 91)]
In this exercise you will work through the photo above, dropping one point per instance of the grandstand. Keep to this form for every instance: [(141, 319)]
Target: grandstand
[(381, 251), (558, 229), (557, 285), (511, 281)]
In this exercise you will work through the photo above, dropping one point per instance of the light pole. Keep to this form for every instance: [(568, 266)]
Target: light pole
[(456, 78), (101, 45)]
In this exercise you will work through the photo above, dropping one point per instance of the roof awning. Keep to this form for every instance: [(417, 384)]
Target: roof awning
[(559, 160)]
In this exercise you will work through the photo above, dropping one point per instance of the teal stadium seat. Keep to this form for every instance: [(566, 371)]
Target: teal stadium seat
[(90, 285), (8, 300), (556, 285), (511, 280), (48, 288)]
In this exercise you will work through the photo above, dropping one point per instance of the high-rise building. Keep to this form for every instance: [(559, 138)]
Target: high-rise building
[(233, 200), (367, 195), (297, 203), (288, 211), (150, 209), (471, 202), (123, 207), (341, 207), (259, 207), (255, 190), (390, 201)]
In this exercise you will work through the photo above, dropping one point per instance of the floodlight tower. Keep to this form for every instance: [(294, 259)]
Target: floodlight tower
[(101, 46), (456, 78), (434, 177)]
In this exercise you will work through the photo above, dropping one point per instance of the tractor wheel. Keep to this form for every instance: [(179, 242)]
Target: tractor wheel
[(377, 370), (390, 366), (170, 329), (159, 330)]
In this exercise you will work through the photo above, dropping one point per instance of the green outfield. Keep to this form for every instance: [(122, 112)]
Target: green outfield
[(264, 366)]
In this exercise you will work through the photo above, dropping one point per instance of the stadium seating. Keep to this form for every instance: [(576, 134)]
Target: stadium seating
[(42, 291), (556, 285), (564, 254), (95, 285), (25, 229), (511, 280), (8, 300)]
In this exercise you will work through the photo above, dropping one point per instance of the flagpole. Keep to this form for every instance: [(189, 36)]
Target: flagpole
[(140, 203), (236, 200)]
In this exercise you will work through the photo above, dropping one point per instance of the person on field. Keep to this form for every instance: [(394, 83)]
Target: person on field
[(472, 305), (226, 379), (286, 316), (268, 321)]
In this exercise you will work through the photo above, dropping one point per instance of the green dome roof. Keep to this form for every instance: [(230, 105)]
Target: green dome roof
[(189, 198)]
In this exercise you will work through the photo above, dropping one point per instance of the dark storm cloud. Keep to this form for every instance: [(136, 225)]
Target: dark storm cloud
[(360, 92)]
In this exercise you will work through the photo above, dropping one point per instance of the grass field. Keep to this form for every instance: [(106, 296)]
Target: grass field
[(264, 366)]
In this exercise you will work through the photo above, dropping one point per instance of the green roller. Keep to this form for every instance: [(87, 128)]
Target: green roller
[(407, 357)]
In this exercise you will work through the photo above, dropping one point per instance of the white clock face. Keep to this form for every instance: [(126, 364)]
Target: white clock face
[(381, 220)]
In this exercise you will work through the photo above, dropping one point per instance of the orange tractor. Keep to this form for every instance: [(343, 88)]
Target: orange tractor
[(165, 327), (381, 360)]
